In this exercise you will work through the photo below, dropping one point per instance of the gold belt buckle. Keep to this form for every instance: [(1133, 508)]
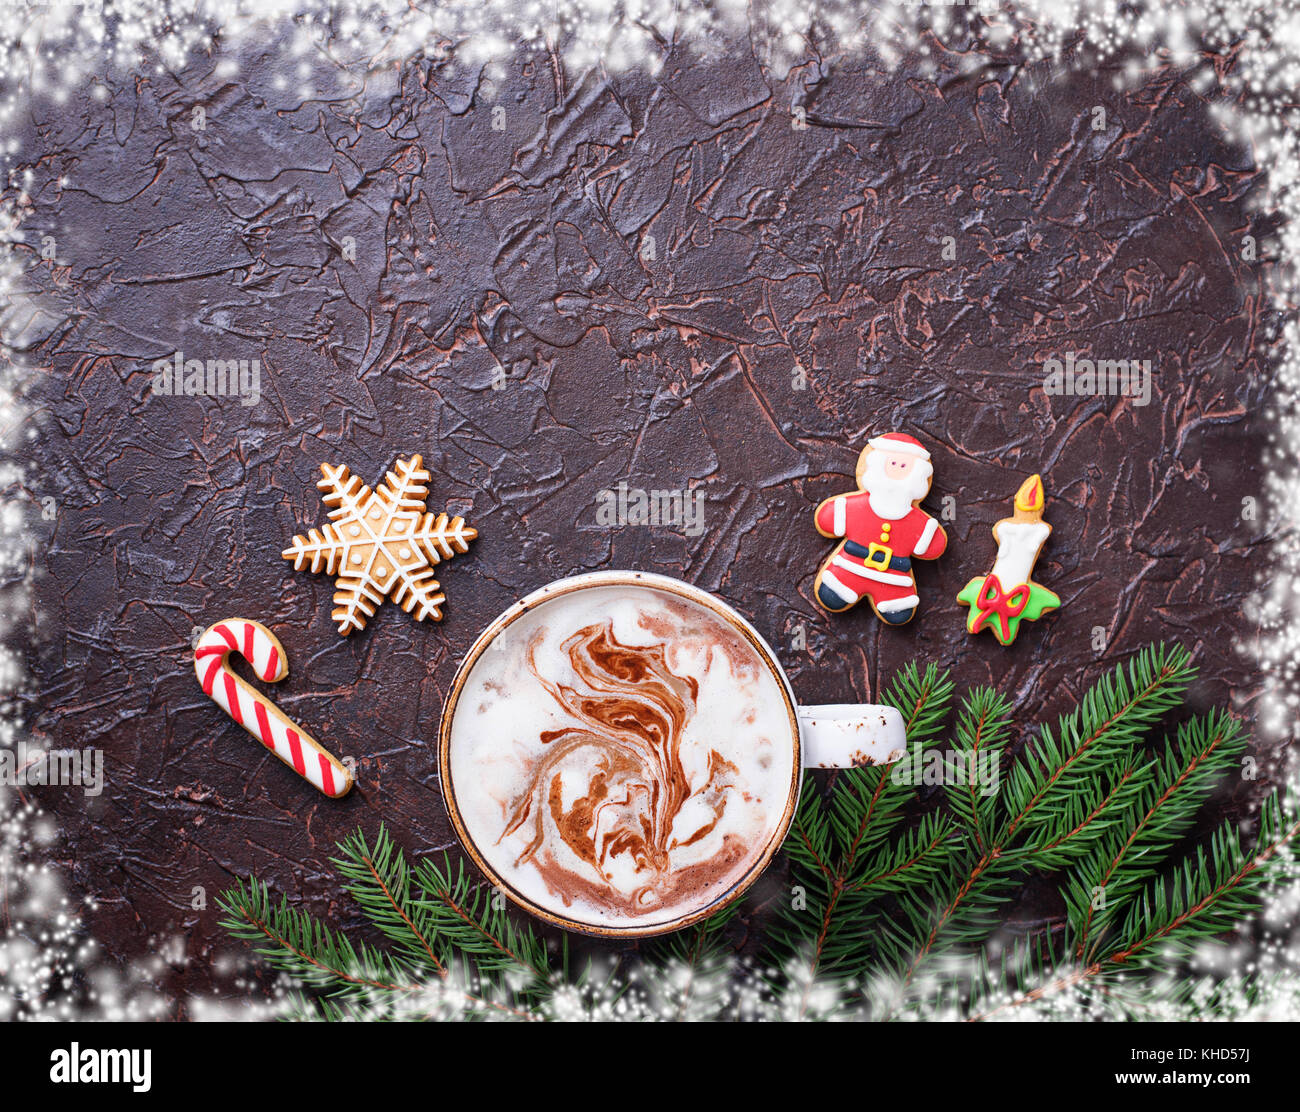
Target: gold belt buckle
[(885, 553)]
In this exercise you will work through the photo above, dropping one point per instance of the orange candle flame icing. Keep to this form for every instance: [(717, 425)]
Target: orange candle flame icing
[(1029, 498)]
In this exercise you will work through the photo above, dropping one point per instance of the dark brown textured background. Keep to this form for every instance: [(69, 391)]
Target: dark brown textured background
[(478, 250)]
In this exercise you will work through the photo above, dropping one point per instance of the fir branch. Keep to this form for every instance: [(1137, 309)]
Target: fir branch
[(425, 912), (962, 907), (909, 872), (1208, 895), (1046, 790), (381, 885), (983, 730), (1109, 720), (810, 843), (967, 914), (295, 943), (1084, 817), (476, 923), (693, 944), (694, 967), (433, 907), (864, 809), (914, 860), (1171, 791), (840, 861), (922, 698)]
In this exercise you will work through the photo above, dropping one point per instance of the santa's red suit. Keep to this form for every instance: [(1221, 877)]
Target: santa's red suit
[(874, 558)]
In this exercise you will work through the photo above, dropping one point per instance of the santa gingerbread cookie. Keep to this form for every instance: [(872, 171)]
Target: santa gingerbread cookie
[(881, 529)]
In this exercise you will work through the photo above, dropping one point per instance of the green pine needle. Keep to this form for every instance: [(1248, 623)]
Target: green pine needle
[(1101, 732)]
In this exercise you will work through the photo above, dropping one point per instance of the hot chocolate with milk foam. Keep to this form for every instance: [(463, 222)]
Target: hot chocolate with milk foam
[(621, 756)]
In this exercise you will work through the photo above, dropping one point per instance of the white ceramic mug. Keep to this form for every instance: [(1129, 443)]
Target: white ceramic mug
[(835, 736)]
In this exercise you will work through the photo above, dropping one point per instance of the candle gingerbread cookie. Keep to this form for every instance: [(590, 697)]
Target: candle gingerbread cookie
[(881, 529), (1005, 597)]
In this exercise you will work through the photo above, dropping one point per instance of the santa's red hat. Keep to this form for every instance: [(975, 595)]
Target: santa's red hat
[(898, 442)]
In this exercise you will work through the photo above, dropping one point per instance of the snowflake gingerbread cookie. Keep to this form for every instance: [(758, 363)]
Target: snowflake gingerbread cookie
[(382, 543), (882, 529), (1005, 597)]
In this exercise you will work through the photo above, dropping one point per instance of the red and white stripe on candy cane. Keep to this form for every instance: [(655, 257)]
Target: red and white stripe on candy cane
[(253, 710)]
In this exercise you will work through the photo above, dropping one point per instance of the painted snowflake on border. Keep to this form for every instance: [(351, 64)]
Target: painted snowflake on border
[(382, 543)]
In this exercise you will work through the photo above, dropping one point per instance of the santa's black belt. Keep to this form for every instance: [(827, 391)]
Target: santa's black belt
[(861, 551)]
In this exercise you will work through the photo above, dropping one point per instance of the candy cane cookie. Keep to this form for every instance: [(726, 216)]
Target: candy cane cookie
[(253, 710)]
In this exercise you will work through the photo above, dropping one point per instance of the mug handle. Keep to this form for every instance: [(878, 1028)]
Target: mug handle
[(847, 735)]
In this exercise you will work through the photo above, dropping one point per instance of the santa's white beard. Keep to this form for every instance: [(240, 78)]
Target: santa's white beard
[(893, 498)]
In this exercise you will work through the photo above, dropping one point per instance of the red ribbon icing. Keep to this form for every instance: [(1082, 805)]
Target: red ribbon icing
[(993, 602)]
